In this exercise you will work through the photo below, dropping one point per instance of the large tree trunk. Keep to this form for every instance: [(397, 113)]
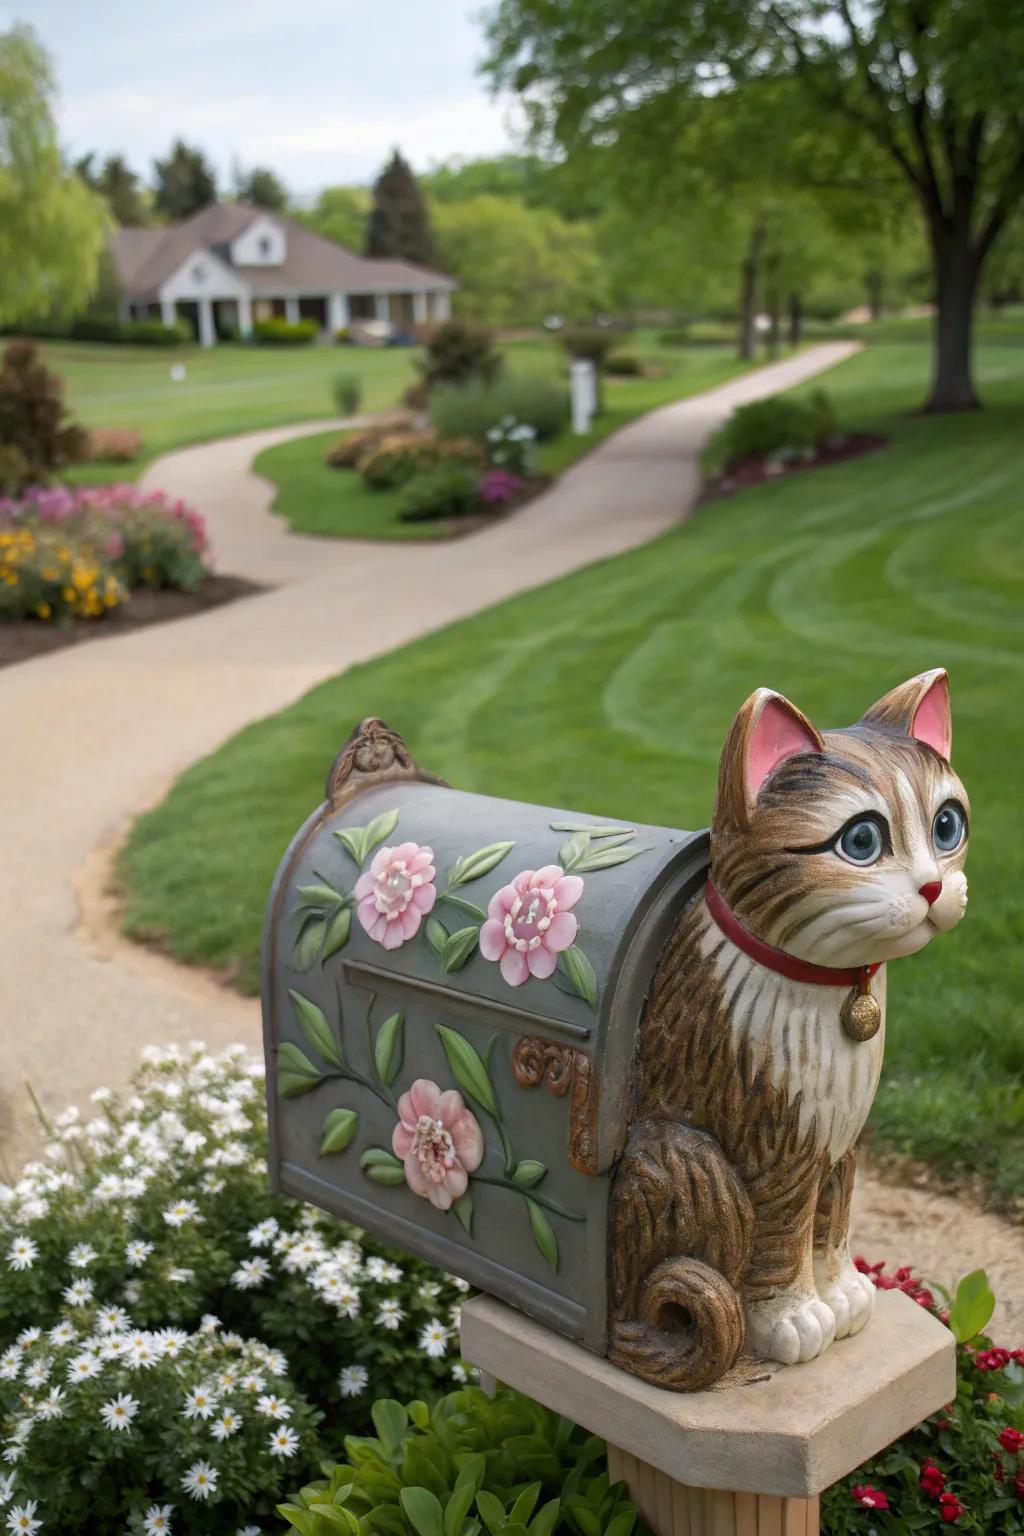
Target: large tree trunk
[(749, 272), (955, 264)]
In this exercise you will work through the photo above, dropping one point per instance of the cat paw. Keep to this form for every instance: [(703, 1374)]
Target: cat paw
[(851, 1298), (790, 1329)]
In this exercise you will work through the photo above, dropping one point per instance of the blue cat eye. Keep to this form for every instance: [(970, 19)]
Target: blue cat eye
[(861, 842), (948, 828)]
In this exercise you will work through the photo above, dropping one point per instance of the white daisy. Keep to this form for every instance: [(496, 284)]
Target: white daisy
[(459, 1372), (37, 1374), (181, 1276), (434, 1339), (200, 1481), (176, 1216), (170, 1342), (10, 1363), (22, 1254), (137, 1252), (200, 1402), (389, 1315), (22, 1518), (273, 1406), (346, 1299), (51, 1406), (78, 1293), (253, 1383), (81, 1256), (83, 1367), (28, 1336), (228, 1423), (283, 1441), (158, 1520), (263, 1233), (353, 1380), (119, 1412), (250, 1274), (6, 1489), (111, 1319)]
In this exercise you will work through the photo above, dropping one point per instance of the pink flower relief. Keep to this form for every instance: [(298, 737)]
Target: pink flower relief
[(439, 1140), (529, 923), (396, 893)]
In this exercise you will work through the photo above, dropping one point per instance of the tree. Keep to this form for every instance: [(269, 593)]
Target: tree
[(52, 226), (261, 188), (118, 183), (185, 182), (399, 224), (341, 214), (932, 86)]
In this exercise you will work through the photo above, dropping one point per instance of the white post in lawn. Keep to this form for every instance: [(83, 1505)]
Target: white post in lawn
[(584, 395), (337, 313), (244, 315), (382, 306), (291, 311), (207, 331)]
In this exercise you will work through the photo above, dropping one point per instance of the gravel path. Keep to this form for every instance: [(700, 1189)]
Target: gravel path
[(94, 733)]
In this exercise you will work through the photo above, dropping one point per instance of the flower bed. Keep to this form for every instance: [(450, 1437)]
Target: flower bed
[(76, 554)]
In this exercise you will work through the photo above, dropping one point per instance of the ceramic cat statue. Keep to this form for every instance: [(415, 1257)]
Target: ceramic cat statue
[(760, 1050), (614, 1074)]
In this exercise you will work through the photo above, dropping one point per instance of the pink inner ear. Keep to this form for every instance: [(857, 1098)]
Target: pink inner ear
[(932, 721), (777, 735)]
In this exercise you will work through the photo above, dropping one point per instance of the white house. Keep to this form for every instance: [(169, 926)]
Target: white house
[(229, 266)]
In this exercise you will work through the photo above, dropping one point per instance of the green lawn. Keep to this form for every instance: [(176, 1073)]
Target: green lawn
[(319, 500), (622, 680)]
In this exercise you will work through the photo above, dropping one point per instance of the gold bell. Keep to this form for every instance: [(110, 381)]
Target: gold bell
[(861, 1014)]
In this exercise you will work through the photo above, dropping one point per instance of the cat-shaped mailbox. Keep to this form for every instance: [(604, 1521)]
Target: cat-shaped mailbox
[(614, 1074)]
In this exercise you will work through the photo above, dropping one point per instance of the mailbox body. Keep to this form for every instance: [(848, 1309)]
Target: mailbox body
[(557, 1063)]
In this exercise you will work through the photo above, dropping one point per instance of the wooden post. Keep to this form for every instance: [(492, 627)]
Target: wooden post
[(751, 1456)]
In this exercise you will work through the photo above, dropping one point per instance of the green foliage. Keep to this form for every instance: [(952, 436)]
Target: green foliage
[(393, 460), (473, 410), (449, 489), (118, 183), (185, 182), (285, 333), (52, 226), (144, 333), (775, 428), (35, 431), (625, 365), (347, 389), (592, 343), (469, 1465), (339, 214), (399, 224), (261, 188), (459, 353)]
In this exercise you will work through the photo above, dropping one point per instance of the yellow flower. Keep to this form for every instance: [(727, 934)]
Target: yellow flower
[(43, 611)]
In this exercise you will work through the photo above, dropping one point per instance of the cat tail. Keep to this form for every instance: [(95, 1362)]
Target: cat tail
[(680, 1232)]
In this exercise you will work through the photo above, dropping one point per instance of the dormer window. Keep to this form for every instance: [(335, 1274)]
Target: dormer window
[(266, 245), (198, 272)]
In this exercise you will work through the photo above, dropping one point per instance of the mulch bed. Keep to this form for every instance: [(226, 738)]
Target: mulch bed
[(756, 470), (22, 639)]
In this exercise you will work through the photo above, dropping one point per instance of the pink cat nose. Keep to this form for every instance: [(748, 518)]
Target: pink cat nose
[(931, 892)]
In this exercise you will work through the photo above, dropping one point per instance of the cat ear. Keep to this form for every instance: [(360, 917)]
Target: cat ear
[(767, 730), (918, 708)]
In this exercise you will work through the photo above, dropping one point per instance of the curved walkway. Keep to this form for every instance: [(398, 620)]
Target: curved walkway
[(94, 733)]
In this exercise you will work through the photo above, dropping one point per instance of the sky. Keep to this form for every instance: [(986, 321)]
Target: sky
[(319, 90)]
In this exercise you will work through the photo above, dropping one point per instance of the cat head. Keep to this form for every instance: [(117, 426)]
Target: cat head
[(843, 847)]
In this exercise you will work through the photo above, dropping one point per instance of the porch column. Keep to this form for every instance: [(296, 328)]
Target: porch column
[(207, 330), (291, 311), (442, 304), (168, 314), (337, 312), (382, 306), (419, 308), (244, 315)]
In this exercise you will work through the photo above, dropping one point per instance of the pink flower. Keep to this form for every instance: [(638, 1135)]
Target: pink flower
[(529, 923), (396, 893), (439, 1140)]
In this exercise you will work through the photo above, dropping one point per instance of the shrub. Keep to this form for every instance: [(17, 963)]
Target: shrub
[(348, 393), (963, 1466), (108, 1423), (498, 487), (499, 1463), (114, 445), (168, 1193), (417, 396), (148, 333), (394, 459), (458, 353), (343, 337), (285, 333), (679, 336), (778, 427), (510, 445), (33, 421), (45, 574), (624, 365), (447, 489), (471, 410)]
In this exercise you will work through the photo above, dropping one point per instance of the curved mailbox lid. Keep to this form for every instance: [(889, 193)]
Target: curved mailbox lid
[(633, 888)]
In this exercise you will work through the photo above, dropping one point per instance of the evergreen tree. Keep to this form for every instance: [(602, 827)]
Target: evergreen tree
[(118, 184), (185, 182), (261, 188), (399, 224)]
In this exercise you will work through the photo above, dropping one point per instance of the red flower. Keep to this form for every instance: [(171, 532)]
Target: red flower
[(1017, 1356), (950, 1508), (1018, 1484), (992, 1359), (932, 1480), (870, 1498), (1011, 1440)]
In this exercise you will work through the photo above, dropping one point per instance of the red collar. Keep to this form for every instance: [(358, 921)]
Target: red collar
[(778, 959)]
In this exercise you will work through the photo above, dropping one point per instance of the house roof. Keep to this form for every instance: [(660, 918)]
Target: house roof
[(146, 258)]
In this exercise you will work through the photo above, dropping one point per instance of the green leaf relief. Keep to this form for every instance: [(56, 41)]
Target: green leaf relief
[(295, 1072), (475, 865), (338, 929), (463, 1208), (467, 1068), (339, 1128), (379, 830), (595, 831), (606, 858), (382, 1166), (436, 935), (316, 1029), (309, 939), (528, 1173), (458, 949), (573, 849), (580, 973), (543, 1232), (351, 839), (387, 1049), (320, 895)]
